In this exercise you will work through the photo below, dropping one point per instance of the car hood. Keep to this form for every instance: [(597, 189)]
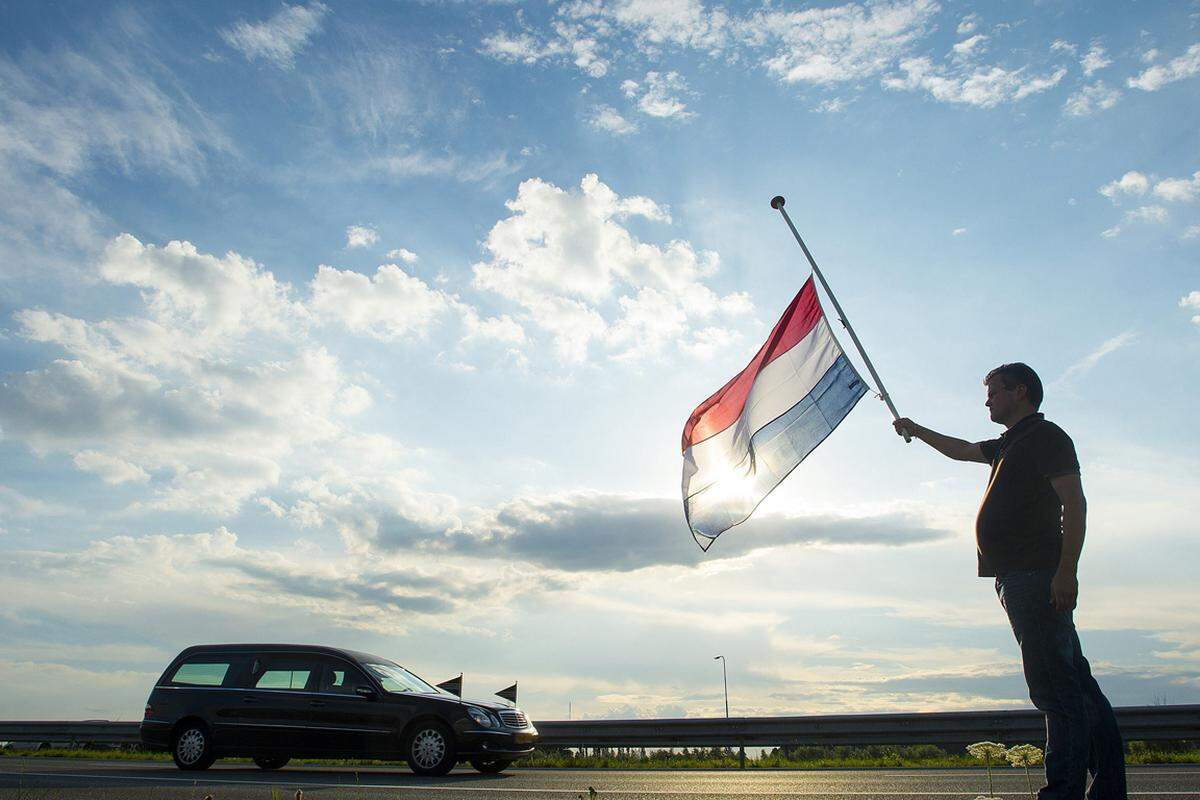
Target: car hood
[(490, 705)]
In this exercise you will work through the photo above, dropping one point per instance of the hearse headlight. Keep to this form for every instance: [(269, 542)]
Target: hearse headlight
[(480, 717)]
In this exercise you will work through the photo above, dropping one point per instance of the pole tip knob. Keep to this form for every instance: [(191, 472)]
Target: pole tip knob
[(777, 202)]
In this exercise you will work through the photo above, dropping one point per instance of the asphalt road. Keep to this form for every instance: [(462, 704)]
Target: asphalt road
[(66, 779)]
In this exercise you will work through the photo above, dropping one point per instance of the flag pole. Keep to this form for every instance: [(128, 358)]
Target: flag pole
[(777, 203)]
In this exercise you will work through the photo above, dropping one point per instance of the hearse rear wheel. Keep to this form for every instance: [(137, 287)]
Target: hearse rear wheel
[(430, 749), (192, 748), (490, 766), (271, 762)]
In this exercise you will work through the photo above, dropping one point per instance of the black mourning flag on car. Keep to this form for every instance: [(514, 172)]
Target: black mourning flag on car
[(453, 686), (509, 694)]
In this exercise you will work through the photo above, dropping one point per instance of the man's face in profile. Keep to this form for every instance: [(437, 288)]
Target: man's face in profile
[(1000, 401)]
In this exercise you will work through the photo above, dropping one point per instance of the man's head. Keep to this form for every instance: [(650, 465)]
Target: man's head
[(1014, 391)]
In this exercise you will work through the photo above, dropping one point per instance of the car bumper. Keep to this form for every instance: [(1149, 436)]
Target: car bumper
[(498, 744), (156, 734)]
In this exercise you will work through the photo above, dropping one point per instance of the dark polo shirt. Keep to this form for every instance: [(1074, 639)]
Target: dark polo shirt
[(1020, 519)]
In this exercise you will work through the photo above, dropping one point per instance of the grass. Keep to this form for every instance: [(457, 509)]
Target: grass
[(872, 757)]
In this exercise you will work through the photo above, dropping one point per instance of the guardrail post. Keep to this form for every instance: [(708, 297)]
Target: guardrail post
[(741, 756)]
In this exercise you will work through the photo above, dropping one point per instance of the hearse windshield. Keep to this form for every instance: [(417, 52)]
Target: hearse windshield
[(397, 680)]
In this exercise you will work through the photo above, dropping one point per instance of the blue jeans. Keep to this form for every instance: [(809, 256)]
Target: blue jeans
[(1081, 730)]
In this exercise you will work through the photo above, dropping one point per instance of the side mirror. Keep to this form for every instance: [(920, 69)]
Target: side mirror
[(366, 692)]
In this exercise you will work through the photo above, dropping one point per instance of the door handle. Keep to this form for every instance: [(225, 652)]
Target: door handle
[(249, 699), (317, 703)]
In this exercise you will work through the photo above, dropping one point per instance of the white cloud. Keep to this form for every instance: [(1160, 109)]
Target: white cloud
[(280, 38), (207, 296), (1132, 182), (1062, 46), (1150, 56), (205, 393), (654, 23), (1192, 301), (1179, 190), (403, 165), (361, 236), (828, 45), (1156, 215), (1152, 215), (1192, 232), (1178, 68), (968, 48), (584, 50), (834, 105), (840, 43), (1090, 99), (341, 590), (1088, 362), (660, 95), (959, 231), (15, 504), (967, 24), (523, 48), (607, 118), (983, 87), (388, 306), (1038, 85), (68, 111), (582, 278), (503, 329), (1094, 60), (401, 254), (109, 468)]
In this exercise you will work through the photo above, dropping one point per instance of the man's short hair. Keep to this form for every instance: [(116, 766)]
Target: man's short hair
[(1017, 374)]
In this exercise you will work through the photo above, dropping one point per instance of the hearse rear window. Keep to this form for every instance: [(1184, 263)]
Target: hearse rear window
[(210, 672)]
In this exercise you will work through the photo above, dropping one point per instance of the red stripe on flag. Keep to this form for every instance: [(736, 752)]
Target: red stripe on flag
[(722, 409)]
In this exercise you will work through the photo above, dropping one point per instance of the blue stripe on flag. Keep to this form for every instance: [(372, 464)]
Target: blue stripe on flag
[(779, 446)]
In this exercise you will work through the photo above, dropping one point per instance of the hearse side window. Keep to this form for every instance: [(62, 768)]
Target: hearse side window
[(202, 672), (397, 680), (291, 673), (340, 678)]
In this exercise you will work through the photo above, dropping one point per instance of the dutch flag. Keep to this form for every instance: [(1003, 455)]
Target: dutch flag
[(739, 444)]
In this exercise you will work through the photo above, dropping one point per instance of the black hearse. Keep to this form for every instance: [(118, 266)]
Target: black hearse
[(273, 702)]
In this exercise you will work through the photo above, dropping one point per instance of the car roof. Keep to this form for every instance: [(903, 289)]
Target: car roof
[(243, 647)]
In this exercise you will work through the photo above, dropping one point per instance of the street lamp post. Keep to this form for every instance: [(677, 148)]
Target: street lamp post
[(725, 680)]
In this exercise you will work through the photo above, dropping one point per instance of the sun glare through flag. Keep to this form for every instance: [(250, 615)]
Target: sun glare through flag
[(739, 444)]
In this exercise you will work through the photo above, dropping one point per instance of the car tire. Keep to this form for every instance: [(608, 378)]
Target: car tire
[(192, 747), (490, 766), (429, 749), (271, 762)]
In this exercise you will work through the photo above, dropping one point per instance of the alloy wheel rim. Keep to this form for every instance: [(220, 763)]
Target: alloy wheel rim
[(429, 747), (191, 746)]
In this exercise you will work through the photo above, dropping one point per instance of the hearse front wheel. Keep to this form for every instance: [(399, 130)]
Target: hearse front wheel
[(193, 748), (430, 749)]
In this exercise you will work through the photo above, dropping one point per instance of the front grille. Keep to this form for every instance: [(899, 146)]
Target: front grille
[(513, 718)]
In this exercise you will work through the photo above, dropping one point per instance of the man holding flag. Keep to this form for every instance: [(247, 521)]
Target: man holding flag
[(741, 442), (1029, 535)]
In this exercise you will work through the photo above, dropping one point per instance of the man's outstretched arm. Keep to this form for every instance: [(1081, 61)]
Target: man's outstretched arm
[(958, 449)]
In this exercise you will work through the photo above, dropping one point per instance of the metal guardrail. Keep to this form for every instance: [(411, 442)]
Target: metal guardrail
[(70, 732), (950, 728)]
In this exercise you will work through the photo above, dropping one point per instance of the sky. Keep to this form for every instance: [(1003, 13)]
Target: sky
[(376, 325)]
